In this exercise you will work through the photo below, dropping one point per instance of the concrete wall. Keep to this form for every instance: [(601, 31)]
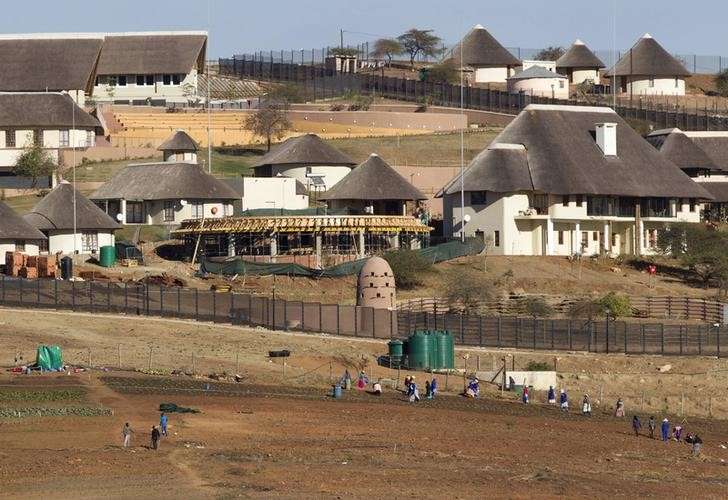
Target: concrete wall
[(272, 192), (641, 85), (63, 241), (330, 174), (543, 87), (51, 142), (31, 248), (580, 75), (106, 153), (158, 90), (492, 75)]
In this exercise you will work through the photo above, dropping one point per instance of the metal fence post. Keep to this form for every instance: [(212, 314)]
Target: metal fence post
[(338, 320), (356, 321), (625, 336), (700, 340), (374, 322), (552, 334), (231, 314), (717, 340), (534, 334), (480, 330), (179, 302), (161, 300), (462, 329), (126, 296), (55, 293), (680, 338), (146, 297), (642, 328), (662, 338), (73, 295), (500, 324), (20, 285), (37, 292), (321, 320), (214, 305), (108, 296), (197, 305), (91, 295), (568, 334)]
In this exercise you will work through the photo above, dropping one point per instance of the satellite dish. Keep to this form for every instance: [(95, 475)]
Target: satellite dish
[(119, 218), (467, 217), (183, 202), (213, 210)]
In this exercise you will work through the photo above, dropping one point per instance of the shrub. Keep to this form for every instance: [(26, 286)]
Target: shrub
[(361, 103), (463, 288), (616, 305), (538, 366), (408, 267), (337, 107), (721, 83), (585, 308), (537, 307)]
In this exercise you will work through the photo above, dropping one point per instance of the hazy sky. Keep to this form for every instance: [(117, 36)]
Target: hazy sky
[(239, 26)]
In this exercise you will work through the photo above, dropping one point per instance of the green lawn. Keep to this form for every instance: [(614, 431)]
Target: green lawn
[(103, 171), (230, 165), (146, 233)]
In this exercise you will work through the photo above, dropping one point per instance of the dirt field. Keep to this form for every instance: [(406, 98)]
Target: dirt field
[(277, 434)]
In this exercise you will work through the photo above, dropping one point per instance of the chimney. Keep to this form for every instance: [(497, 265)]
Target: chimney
[(606, 136)]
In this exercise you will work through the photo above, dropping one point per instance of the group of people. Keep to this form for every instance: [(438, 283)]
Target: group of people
[(156, 433), (676, 434), (412, 392)]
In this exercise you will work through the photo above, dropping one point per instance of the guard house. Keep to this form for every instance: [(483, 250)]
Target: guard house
[(179, 148), (373, 188), (579, 64)]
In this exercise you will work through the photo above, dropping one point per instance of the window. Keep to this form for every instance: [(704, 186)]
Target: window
[(121, 81), (43, 245), (652, 81), (177, 79), (38, 137), (614, 240), (10, 138), (561, 84), (89, 241), (169, 211), (579, 200), (167, 79), (225, 210), (496, 238), (20, 245), (150, 79), (134, 212), (477, 198), (198, 210), (584, 240), (63, 139), (541, 203), (595, 236), (693, 205), (140, 80), (561, 237), (90, 138), (677, 82), (565, 200)]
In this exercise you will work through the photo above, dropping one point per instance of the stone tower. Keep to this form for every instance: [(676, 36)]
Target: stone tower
[(375, 286)]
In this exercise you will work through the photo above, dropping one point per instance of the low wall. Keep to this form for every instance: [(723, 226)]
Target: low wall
[(106, 153), (540, 381)]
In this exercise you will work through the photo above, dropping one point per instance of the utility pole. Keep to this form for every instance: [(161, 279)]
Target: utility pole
[(341, 42)]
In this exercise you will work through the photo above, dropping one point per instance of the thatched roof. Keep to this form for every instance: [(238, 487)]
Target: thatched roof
[(164, 181), (648, 58), (14, 227), (373, 180), (307, 149), (55, 211), (551, 149), (151, 53), (535, 72), (179, 141), (31, 110), (713, 144), (680, 149), (719, 190), (50, 64), (481, 49), (579, 56)]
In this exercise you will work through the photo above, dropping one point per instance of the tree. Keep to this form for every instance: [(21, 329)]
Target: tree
[(550, 53), (442, 72), (701, 249), (269, 120), (387, 47), (408, 266), (415, 42), (35, 162), (721, 83), (465, 289)]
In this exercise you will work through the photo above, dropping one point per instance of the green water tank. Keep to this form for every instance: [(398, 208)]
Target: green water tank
[(445, 350), (420, 347), (396, 350), (107, 256)]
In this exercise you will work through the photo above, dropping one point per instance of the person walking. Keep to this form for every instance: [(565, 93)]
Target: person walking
[(564, 401), (155, 438), (636, 425), (428, 389), (619, 410), (697, 444), (665, 428), (163, 424), (586, 406), (126, 433), (433, 388), (651, 426), (551, 398), (412, 392), (525, 394)]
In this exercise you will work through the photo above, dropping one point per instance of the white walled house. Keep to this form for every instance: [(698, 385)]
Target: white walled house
[(52, 120), (16, 235), (579, 64), (164, 194), (539, 81), (54, 217), (135, 67), (271, 193), (565, 180), (484, 59), (308, 159), (179, 148), (648, 69)]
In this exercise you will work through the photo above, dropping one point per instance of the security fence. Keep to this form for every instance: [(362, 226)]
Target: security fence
[(320, 82), (354, 321)]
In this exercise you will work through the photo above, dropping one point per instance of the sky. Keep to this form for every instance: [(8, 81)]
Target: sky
[(244, 26)]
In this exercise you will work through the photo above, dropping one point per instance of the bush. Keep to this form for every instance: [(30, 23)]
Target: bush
[(537, 307), (538, 366), (337, 107), (585, 308), (616, 305), (408, 267), (464, 289), (721, 83), (361, 103)]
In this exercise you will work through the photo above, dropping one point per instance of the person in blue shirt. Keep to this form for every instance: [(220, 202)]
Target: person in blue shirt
[(433, 388), (665, 428), (551, 396), (163, 424), (564, 401), (412, 392)]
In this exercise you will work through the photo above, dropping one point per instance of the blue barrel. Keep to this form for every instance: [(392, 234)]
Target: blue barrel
[(337, 391)]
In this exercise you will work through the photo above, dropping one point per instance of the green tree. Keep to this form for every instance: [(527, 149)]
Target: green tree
[(419, 42), (721, 82), (408, 267), (34, 162), (617, 306), (269, 120), (701, 249), (549, 53), (442, 72), (387, 47)]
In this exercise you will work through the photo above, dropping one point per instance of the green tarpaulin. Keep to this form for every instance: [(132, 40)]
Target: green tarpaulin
[(49, 358), (232, 266)]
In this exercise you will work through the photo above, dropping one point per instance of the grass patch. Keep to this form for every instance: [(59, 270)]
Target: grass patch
[(229, 164), (104, 170), (23, 204), (41, 396), (146, 233)]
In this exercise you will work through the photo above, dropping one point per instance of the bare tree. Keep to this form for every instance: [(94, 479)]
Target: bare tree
[(387, 47), (415, 42), (269, 120)]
